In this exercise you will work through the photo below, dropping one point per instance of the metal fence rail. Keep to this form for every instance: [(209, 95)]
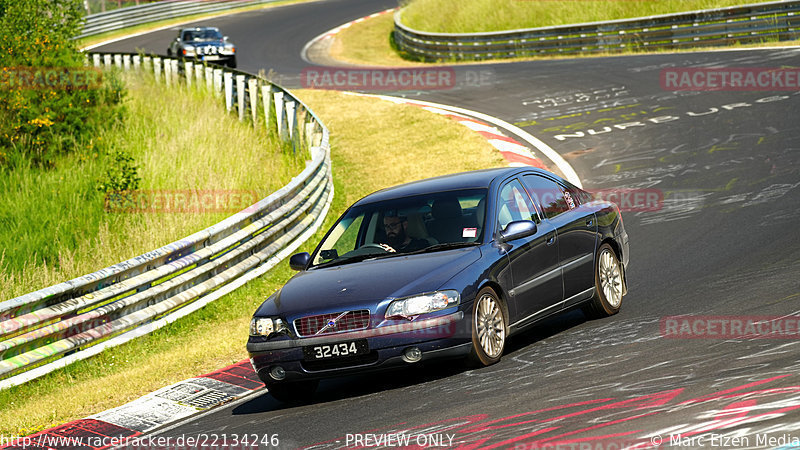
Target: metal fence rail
[(151, 12), (740, 24), (60, 324)]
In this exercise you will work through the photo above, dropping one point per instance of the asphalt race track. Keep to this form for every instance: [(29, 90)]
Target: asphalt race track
[(723, 242)]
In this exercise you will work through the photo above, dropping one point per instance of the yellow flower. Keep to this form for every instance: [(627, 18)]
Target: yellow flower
[(41, 122)]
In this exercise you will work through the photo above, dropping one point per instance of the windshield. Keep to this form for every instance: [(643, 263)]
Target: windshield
[(202, 35), (429, 222)]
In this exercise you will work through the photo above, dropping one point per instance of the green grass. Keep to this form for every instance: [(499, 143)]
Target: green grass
[(53, 225), (372, 149), (446, 16)]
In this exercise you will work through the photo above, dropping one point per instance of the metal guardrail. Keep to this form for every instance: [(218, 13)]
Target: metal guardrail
[(52, 327), (740, 24), (151, 12)]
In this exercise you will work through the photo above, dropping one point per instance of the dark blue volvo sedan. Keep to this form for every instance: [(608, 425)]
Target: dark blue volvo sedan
[(444, 267)]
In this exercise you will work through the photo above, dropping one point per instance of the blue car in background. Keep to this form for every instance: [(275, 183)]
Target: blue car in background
[(444, 267)]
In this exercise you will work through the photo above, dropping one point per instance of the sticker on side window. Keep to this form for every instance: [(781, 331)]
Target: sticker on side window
[(469, 233), (568, 198)]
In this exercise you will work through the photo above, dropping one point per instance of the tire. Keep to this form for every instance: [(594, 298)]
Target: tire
[(489, 329), (291, 392), (608, 285)]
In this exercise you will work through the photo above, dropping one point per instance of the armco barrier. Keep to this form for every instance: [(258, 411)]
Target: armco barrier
[(740, 24), (151, 12), (52, 327)]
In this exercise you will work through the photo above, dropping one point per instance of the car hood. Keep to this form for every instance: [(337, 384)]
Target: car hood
[(364, 284)]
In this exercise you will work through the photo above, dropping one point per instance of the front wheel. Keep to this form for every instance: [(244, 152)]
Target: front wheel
[(608, 287), (488, 328), (295, 391)]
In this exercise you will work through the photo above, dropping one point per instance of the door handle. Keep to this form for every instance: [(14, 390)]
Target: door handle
[(551, 238)]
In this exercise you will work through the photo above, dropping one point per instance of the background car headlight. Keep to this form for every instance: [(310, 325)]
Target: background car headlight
[(188, 50), (411, 307), (266, 326)]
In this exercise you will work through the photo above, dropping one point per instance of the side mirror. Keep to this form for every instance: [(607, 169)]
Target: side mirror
[(225, 38), (518, 229), (299, 261)]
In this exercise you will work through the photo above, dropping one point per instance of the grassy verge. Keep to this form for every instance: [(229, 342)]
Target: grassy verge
[(494, 15), (152, 26), (53, 223), (368, 154), (367, 43)]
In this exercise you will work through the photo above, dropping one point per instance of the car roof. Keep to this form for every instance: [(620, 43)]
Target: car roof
[(464, 180), (199, 29)]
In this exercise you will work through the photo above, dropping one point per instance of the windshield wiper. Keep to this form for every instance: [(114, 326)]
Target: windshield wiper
[(444, 246)]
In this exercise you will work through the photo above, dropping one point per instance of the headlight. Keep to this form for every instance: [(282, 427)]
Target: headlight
[(411, 307), (229, 48), (266, 326), (188, 50)]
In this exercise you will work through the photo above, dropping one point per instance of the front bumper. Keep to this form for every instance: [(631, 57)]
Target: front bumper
[(440, 337)]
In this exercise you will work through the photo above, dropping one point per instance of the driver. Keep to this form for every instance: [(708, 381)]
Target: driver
[(396, 228)]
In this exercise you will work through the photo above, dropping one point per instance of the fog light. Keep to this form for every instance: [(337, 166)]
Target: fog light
[(412, 354), (277, 373)]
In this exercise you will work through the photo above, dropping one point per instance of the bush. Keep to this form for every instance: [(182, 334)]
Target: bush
[(41, 116)]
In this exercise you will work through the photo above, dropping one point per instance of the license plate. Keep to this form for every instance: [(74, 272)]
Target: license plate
[(338, 350)]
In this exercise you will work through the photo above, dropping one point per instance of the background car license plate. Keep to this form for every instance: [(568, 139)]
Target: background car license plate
[(337, 350)]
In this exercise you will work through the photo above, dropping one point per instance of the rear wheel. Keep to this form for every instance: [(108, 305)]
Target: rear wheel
[(488, 328), (608, 284), (295, 391)]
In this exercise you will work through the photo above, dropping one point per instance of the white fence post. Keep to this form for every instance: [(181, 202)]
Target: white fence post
[(126, 62), (240, 96), (157, 68), (310, 133), (198, 74), (107, 60), (228, 91), (118, 61), (291, 117), (252, 87), (266, 95), (168, 71), (209, 73), (279, 113), (96, 60), (137, 61), (188, 72), (175, 70), (217, 82)]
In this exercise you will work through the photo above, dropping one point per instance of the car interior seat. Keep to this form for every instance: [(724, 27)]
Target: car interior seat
[(446, 225)]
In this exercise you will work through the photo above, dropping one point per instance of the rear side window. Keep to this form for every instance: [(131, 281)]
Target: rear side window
[(548, 194)]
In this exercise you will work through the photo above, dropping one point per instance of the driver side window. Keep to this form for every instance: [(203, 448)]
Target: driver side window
[(514, 204)]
